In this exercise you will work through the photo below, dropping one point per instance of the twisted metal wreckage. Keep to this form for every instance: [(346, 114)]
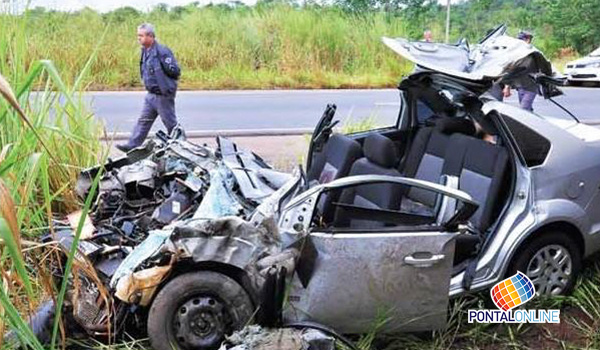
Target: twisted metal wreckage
[(172, 206)]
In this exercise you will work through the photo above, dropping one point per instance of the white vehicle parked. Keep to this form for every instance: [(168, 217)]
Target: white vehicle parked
[(586, 69)]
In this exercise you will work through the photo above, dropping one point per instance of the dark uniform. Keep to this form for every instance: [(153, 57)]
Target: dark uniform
[(527, 88), (159, 71)]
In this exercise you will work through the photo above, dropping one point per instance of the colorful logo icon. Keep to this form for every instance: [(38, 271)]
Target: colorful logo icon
[(513, 291)]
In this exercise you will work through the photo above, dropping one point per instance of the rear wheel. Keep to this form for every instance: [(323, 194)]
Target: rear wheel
[(196, 310), (552, 261)]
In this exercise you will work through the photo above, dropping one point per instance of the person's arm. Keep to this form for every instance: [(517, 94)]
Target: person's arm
[(141, 63), (169, 63)]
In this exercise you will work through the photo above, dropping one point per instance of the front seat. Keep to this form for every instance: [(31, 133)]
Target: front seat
[(381, 158), (335, 160)]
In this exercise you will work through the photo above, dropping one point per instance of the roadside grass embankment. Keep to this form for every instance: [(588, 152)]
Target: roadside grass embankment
[(45, 140), (267, 47)]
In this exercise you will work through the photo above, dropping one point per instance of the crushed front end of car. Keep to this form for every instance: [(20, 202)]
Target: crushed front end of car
[(166, 208)]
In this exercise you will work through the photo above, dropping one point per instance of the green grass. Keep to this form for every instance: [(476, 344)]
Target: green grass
[(46, 138), (271, 45), (276, 46)]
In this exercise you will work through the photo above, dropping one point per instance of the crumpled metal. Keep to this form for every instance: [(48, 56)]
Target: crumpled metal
[(230, 240), (218, 201), (141, 285), (150, 246)]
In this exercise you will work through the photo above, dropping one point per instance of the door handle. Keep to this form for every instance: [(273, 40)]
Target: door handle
[(424, 262)]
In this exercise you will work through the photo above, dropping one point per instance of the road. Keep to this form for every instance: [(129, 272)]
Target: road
[(288, 109)]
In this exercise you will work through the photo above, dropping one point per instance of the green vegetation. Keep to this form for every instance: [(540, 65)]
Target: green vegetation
[(45, 140), (278, 44), (217, 47)]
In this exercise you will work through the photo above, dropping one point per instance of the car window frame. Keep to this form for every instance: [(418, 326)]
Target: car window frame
[(402, 114), (451, 224)]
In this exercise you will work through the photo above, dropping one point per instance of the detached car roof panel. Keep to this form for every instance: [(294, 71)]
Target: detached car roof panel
[(488, 60)]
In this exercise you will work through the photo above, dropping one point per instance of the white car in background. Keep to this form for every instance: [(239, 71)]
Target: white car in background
[(585, 69)]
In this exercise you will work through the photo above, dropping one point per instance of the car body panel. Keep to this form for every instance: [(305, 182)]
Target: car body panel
[(367, 276), (392, 275), (564, 189)]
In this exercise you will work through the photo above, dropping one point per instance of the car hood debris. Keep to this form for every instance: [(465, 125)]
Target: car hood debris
[(167, 202)]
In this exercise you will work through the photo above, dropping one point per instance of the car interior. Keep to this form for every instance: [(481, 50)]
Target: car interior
[(461, 150)]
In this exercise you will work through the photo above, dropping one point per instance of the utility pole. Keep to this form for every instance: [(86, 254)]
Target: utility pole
[(447, 21)]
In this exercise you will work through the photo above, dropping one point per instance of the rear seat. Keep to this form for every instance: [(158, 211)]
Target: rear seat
[(481, 168), (427, 160), (449, 149)]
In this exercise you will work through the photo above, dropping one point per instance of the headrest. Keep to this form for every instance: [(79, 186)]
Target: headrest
[(455, 125), (380, 150)]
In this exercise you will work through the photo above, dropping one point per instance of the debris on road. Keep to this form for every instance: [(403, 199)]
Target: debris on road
[(255, 337)]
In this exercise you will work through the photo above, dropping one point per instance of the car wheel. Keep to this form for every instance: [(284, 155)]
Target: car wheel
[(196, 310), (552, 261)]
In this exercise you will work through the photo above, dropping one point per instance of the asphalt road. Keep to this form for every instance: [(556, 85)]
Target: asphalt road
[(288, 109)]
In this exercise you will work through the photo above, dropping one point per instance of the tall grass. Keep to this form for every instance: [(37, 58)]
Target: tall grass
[(46, 138), (266, 46)]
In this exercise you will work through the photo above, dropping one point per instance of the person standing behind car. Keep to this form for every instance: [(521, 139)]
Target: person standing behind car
[(159, 72), (427, 36), (526, 88)]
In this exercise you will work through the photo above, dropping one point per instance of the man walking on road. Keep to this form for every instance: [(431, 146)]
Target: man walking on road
[(159, 72), (526, 88)]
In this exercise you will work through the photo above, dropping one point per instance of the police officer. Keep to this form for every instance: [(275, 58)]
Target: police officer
[(526, 87), (159, 71)]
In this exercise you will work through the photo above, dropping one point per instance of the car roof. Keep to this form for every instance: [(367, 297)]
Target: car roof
[(490, 59)]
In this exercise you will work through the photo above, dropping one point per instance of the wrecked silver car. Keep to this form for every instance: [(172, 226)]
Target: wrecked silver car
[(158, 210), (384, 224)]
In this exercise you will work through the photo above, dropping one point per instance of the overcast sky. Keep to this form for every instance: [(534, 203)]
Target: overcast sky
[(108, 5)]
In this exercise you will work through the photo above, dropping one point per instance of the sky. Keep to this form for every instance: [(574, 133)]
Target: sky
[(108, 5)]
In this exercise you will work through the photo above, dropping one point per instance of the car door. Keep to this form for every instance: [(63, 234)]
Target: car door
[(388, 277)]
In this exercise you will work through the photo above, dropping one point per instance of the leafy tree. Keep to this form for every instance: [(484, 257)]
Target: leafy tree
[(122, 14), (410, 8), (161, 7), (574, 22)]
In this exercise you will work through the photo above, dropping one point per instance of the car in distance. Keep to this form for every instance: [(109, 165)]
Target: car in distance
[(585, 69)]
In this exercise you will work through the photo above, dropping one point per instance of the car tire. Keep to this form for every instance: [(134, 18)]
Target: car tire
[(196, 310), (551, 260)]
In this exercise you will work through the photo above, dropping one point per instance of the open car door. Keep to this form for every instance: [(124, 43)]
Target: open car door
[(378, 267)]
